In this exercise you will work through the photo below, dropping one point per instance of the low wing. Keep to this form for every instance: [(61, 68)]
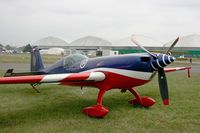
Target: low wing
[(178, 69), (55, 78)]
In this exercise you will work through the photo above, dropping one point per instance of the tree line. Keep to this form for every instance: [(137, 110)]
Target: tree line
[(24, 49)]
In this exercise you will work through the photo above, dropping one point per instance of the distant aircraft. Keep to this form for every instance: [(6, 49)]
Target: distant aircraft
[(123, 72)]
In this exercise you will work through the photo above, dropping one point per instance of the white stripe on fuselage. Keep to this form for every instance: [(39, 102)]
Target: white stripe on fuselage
[(54, 77), (96, 76), (128, 73)]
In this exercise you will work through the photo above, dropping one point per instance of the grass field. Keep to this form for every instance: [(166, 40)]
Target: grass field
[(25, 58), (58, 109)]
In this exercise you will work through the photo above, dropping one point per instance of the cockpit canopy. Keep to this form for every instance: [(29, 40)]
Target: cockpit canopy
[(71, 60)]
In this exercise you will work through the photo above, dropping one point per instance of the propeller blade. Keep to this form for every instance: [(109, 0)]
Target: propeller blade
[(138, 44), (172, 46), (163, 86)]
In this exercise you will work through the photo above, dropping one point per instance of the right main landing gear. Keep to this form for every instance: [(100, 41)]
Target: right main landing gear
[(142, 101)]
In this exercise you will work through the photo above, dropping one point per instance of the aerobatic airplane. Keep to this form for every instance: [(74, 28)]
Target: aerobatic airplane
[(123, 72)]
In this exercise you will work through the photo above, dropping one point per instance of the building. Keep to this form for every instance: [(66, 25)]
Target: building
[(188, 46), (96, 46), (91, 46), (125, 45), (50, 42)]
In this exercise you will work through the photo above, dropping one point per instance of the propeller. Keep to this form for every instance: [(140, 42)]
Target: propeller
[(161, 73), (163, 86), (138, 44), (172, 46)]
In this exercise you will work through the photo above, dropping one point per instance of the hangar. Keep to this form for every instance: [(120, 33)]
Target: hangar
[(96, 46), (91, 45), (125, 45), (88, 45), (50, 42), (188, 46)]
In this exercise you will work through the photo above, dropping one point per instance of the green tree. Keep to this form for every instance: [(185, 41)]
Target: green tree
[(8, 47), (27, 48)]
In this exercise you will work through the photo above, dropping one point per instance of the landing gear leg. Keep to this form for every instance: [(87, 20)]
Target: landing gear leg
[(98, 110), (34, 86), (142, 101)]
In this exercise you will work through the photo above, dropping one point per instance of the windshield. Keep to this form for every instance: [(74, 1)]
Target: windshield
[(73, 59)]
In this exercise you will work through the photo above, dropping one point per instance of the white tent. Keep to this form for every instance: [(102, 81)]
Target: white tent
[(50, 41), (143, 40), (90, 41), (186, 41), (56, 51), (44, 51)]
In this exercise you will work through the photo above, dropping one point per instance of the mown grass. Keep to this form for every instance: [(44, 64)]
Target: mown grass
[(58, 109), (25, 58)]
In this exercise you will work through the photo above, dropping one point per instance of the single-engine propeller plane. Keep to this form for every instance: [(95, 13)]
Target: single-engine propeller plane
[(123, 72)]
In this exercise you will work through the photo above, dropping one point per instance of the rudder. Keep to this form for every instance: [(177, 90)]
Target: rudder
[(36, 59)]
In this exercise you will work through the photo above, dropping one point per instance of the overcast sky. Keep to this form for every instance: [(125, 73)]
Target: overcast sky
[(25, 21)]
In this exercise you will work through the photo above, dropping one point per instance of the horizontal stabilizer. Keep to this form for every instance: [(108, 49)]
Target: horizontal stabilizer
[(55, 78), (10, 73), (178, 69)]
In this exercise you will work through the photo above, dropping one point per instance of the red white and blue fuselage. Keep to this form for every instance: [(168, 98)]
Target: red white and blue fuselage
[(122, 71)]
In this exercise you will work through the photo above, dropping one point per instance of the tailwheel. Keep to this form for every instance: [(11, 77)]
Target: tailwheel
[(98, 110), (142, 101)]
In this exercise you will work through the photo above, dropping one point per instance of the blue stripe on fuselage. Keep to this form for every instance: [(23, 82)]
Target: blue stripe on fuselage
[(55, 68), (126, 62)]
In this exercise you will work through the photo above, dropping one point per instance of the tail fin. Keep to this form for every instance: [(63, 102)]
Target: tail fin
[(36, 60)]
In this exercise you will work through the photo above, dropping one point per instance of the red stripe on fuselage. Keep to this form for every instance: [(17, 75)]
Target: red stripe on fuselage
[(111, 81)]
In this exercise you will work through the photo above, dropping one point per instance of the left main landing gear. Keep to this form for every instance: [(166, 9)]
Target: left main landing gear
[(98, 110), (142, 101)]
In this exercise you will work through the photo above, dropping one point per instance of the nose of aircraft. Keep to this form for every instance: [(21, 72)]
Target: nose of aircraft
[(169, 59), (172, 58), (162, 61)]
